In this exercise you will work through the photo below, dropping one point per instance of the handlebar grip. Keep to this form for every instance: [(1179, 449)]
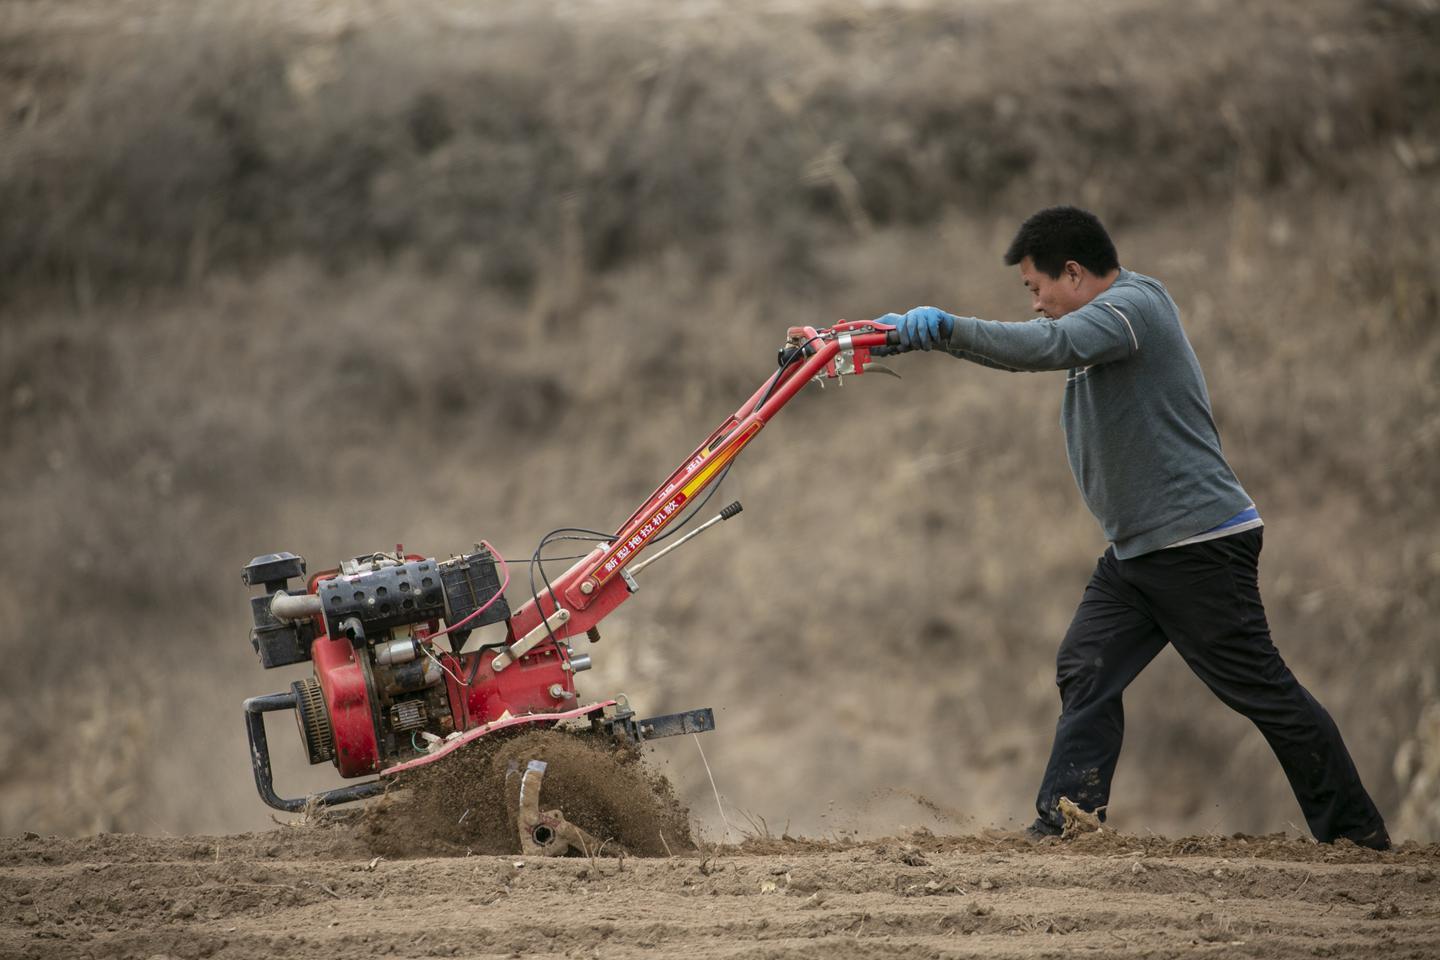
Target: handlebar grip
[(892, 338), (790, 354)]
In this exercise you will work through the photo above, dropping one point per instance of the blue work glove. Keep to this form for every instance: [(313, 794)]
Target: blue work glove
[(920, 329), (925, 327)]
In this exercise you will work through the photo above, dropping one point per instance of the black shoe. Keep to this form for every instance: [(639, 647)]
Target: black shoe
[(1040, 830), (1377, 839)]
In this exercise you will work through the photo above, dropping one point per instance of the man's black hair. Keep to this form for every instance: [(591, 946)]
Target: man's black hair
[(1057, 234)]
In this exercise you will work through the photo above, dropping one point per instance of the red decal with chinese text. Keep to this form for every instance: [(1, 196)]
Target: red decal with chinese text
[(653, 524)]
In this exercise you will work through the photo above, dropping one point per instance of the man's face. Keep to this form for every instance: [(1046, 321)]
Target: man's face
[(1052, 296)]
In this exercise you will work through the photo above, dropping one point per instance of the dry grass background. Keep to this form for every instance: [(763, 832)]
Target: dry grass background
[(328, 277)]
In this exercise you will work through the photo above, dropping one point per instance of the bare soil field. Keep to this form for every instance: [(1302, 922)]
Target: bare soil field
[(320, 891), (406, 876)]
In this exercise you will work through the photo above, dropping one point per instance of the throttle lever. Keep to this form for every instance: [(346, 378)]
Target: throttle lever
[(725, 514)]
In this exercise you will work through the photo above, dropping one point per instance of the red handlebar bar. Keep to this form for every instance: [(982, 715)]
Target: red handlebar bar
[(595, 585)]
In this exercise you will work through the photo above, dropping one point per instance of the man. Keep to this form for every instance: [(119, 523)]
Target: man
[(1185, 537)]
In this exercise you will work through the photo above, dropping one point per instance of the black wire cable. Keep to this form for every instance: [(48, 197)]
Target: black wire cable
[(537, 560), (796, 354), (573, 556)]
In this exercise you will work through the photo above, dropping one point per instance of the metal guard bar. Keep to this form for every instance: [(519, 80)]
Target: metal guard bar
[(255, 710)]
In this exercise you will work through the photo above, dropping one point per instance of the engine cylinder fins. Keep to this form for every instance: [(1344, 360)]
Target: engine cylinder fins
[(314, 720)]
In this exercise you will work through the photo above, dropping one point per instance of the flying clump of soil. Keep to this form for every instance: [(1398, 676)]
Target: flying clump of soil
[(461, 803)]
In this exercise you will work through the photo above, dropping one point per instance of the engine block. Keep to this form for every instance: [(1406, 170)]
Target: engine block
[(383, 691)]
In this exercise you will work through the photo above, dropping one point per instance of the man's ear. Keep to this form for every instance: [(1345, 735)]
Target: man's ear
[(1074, 272)]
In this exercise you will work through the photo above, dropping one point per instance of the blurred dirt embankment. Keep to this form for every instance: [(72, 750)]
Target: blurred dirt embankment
[(325, 278)]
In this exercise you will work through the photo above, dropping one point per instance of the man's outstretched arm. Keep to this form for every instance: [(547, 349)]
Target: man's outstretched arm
[(1104, 330)]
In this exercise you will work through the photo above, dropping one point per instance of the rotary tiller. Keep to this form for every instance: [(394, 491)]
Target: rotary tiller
[(386, 697)]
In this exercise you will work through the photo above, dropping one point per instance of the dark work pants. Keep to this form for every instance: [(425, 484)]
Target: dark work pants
[(1204, 599)]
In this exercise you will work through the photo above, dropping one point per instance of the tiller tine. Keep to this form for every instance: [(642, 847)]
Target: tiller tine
[(544, 833)]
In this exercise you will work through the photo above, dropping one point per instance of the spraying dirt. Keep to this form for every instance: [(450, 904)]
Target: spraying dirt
[(462, 804)]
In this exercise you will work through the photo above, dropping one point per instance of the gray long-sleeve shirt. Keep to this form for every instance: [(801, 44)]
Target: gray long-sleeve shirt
[(1138, 429)]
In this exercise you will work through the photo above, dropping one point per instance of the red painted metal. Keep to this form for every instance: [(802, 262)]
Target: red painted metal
[(347, 700), (522, 688)]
